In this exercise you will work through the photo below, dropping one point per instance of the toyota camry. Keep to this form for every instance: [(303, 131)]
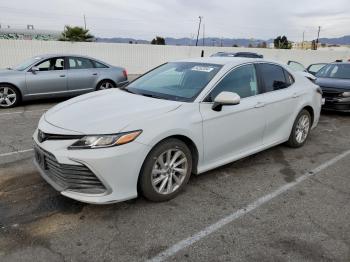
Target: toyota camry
[(181, 118)]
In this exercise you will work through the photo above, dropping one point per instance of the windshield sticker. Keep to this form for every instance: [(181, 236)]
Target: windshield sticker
[(206, 69)]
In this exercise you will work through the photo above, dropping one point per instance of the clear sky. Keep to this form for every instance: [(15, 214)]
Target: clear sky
[(143, 19)]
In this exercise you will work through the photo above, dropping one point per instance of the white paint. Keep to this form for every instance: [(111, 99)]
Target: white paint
[(237, 214), (16, 152), (140, 58), (22, 112)]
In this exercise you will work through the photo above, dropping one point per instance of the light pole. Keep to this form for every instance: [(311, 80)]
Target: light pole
[(199, 28)]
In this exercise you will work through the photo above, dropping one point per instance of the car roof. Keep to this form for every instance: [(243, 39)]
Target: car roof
[(232, 61), (43, 56)]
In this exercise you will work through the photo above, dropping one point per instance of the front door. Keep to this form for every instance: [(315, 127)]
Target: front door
[(236, 130), (50, 79)]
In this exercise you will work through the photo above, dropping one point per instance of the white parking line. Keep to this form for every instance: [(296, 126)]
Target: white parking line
[(16, 152), (22, 112), (237, 214)]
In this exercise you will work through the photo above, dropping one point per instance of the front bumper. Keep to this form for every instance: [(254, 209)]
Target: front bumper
[(114, 170)]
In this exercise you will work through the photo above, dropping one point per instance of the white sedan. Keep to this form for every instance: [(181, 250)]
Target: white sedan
[(181, 118)]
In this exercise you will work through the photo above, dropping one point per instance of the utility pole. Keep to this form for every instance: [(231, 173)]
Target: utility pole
[(318, 37), (199, 28), (203, 34), (302, 44), (84, 22)]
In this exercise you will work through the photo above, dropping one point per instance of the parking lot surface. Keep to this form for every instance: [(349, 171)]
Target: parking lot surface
[(308, 221)]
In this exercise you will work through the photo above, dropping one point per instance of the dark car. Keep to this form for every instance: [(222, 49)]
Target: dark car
[(238, 54), (334, 79)]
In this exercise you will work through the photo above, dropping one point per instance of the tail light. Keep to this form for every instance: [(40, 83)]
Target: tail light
[(125, 73)]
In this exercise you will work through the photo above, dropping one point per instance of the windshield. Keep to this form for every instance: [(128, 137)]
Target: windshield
[(341, 71), (179, 81), (22, 66)]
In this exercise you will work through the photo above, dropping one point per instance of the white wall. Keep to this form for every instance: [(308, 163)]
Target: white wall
[(139, 58)]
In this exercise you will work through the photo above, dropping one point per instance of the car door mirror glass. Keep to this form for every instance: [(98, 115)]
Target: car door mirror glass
[(225, 98)]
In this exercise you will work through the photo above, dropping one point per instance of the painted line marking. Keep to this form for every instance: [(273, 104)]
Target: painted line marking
[(16, 152), (22, 112), (241, 212)]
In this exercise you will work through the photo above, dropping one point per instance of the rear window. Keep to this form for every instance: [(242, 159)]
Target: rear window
[(98, 64), (273, 77)]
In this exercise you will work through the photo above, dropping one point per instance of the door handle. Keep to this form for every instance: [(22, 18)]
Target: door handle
[(259, 104), (295, 95), (94, 74), (62, 75)]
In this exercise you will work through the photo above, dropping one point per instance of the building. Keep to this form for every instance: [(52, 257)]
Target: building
[(28, 34)]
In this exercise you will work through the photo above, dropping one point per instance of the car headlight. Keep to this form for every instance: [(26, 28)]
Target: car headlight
[(103, 141), (346, 94)]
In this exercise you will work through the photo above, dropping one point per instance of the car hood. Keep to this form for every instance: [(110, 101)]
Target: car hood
[(106, 112), (332, 83), (7, 72)]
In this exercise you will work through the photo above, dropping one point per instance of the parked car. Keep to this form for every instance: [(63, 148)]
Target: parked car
[(312, 69), (334, 79), (57, 76), (182, 117), (238, 54)]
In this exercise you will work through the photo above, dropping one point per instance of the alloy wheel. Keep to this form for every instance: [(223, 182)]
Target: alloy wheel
[(8, 96), (302, 129), (169, 171)]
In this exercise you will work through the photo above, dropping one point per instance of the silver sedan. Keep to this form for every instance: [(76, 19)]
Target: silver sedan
[(51, 76)]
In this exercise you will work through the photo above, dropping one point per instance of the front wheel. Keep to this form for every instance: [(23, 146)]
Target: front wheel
[(9, 96), (301, 129), (166, 170)]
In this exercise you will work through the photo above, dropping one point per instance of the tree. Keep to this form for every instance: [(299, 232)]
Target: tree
[(281, 42), (264, 45), (158, 41), (76, 34), (250, 45)]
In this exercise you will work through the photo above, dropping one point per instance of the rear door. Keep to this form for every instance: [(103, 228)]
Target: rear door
[(280, 100), (50, 79), (82, 75)]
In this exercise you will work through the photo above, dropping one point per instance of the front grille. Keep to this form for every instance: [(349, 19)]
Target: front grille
[(68, 177), (45, 136)]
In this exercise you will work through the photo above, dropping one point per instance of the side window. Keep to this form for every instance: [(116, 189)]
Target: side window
[(98, 64), (51, 64), (80, 63), (242, 81), (273, 77)]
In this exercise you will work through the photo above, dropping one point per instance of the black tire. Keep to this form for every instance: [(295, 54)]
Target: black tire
[(145, 182), (102, 85), (11, 90), (293, 141)]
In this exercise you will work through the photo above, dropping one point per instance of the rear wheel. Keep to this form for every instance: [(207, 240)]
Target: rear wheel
[(105, 84), (9, 96), (166, 170), (301, 129)]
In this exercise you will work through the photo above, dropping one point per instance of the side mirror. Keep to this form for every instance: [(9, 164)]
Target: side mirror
[(225, 99), (34, 69)]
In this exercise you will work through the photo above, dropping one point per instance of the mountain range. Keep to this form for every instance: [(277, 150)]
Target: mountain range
[(215, 41)]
